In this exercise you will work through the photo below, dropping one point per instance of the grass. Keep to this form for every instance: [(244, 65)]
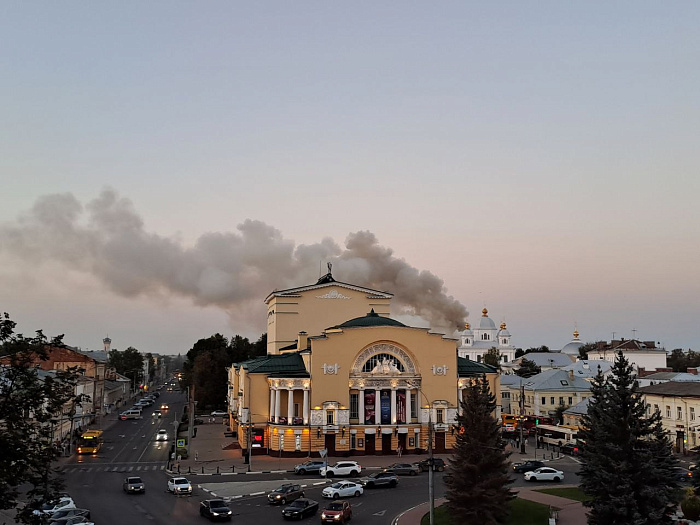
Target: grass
[(522, 512), (574, 493)]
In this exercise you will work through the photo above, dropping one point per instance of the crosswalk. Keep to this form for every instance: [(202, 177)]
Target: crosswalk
[(110, 468)]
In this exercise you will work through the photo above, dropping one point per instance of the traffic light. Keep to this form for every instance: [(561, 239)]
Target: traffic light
[(537, 422)]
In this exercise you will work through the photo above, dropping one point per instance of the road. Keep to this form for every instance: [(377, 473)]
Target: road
[(130, 449)]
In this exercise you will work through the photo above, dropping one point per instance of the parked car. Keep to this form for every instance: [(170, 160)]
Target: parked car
[(285, 493), (527, 466), (544, 474), (73, 520), (134, 485), (683, 474), (570, 449), (403, 469), (215, 509), (162, 435), (63, 502), (438, 464), (69, 513), (343, 489), (300, 509), (219, 413), (342, 468), (380, 479), (179, 486), (337, 512), (309, 467)]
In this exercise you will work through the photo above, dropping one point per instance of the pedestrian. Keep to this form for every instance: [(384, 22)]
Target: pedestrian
[(399, 450), (196, 455)]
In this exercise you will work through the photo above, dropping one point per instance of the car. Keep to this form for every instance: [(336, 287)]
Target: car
[(164, 406), (683, 474), (156, 394), (527, 466), (179, 486), (544, 474), (403, 469), (342, 468), (215, 509), (343, 489), (300, 509), (63, 502), (157, 413), (162, 435), (285, 493), (570, 449), (69, 513), (337, 512), (438, 464), (309, 467), (380, 479), (73, 520), (134, 485), (219, 413)]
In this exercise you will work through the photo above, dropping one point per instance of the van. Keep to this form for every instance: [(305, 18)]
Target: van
[(130, 414)]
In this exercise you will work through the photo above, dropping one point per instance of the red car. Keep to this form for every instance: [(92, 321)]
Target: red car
[(337, 508)]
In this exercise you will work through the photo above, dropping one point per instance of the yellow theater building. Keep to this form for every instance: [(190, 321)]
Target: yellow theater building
[(341, 375)]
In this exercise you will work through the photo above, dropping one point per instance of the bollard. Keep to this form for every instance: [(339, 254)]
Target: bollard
[(552, 455), (217, 470), (233, 469), (189, 470), (202, 469), (178, 469)]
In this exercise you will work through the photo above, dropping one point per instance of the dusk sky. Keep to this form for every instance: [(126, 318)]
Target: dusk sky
[(166, 165)]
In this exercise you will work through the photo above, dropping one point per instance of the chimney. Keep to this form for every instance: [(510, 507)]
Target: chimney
[(302, 341), (693, 370), (571, 375)]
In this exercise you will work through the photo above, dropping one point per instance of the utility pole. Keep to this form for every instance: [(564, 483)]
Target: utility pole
[(250, 441), (431, 467), (190, 415), (522, 416)]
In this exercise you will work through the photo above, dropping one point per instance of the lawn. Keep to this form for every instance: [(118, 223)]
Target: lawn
[(522, 512), (574, 493)]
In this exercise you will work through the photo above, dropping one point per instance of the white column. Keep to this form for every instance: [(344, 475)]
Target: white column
[(408, 405), (277, 405), (272, 404), (306, 406), (361, 409), (290, 406), (393, 406)]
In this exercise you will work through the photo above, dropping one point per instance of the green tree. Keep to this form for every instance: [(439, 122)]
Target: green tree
[(537, 350), (585, 348), (30, 401), (527, 368), (493, 357), (559, 414), (627, 465), (477, 488), (128, 363), (519, 352)]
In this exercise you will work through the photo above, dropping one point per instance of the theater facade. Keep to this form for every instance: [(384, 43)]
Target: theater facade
[(342, 376)]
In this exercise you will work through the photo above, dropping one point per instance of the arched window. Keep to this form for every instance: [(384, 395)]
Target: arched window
[(377, 360)]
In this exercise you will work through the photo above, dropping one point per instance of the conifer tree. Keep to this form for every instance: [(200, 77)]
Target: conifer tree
[(477, 488), (627, 463)]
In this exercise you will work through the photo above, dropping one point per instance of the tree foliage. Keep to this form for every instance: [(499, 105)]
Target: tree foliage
[(627, 463), (493, 357), (538, 350), (30, 404), (527, 368), (477, 488), (585, 348), (519, 352), (128, 363), (680, 360)]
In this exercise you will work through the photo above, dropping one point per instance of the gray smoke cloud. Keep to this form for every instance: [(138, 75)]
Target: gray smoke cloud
[(231, 270)]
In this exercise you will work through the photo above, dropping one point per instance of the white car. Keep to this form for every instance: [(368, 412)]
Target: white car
[(544, 474), (343, 489), (179, 486), (162, 435), (342, 468), (219, 413), (64, 502)]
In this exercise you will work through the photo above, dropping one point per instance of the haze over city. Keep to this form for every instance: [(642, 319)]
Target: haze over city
[(164, 166)]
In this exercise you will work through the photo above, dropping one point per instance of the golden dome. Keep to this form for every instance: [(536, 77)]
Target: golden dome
[(484, 312), (503, 325), (575, 334), (466, 326)]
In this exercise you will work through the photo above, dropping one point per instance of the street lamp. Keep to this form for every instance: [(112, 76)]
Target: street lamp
[(431, 461)]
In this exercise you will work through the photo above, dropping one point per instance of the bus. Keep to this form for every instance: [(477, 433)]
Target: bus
[(557, 435), (90, 442)]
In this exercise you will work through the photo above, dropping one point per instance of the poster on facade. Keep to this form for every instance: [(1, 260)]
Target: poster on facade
[(369, 407), (401, 406), (386, 407)]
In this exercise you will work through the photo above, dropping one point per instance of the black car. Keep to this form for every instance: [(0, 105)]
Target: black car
[(570, 449), (380, 479), (215, 509), (438, 464), (68, 513), (300, 508), (527, 466), (684, 475), (285, 493), (310, 467)]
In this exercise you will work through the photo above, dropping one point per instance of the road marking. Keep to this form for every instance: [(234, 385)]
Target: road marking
[(257, 493), (380, 513), (320, 483), (131, 468), (138, 468)]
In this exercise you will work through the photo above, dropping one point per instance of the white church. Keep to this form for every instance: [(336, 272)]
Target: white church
[(475, 344)]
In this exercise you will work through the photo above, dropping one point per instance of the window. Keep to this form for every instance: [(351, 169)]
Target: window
[(353, 441), (680, 413), (380, 359), (354, 406), (561, 401), (414, 406), (297, 442), (544, 400), (296, 409), (551, 400), (692, 413), (668, 411), (478, 359), (329, 417), (281, 435), (440, 415), (656, 408), (571, 401)]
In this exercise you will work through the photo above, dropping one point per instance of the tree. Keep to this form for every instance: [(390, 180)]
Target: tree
[(493, 357), (584, 349), (477, 489), (519, 352), (559, 413), (527, 368), (128, 363), (627, 465), (537, 350), (29, 402)]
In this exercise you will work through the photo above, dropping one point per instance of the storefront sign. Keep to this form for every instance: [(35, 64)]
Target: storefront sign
[(401, 406), (369, 407), (386, 407)]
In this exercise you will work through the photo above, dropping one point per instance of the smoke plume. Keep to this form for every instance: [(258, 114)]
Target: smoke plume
[(231, 270)]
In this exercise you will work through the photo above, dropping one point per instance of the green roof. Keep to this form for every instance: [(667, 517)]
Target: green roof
[(283, 365), (469, 368), (371, 319)]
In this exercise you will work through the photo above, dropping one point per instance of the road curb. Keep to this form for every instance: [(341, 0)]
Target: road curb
[(195, 473)]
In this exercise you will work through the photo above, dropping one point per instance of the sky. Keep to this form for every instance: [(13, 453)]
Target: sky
[(166, 165)]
